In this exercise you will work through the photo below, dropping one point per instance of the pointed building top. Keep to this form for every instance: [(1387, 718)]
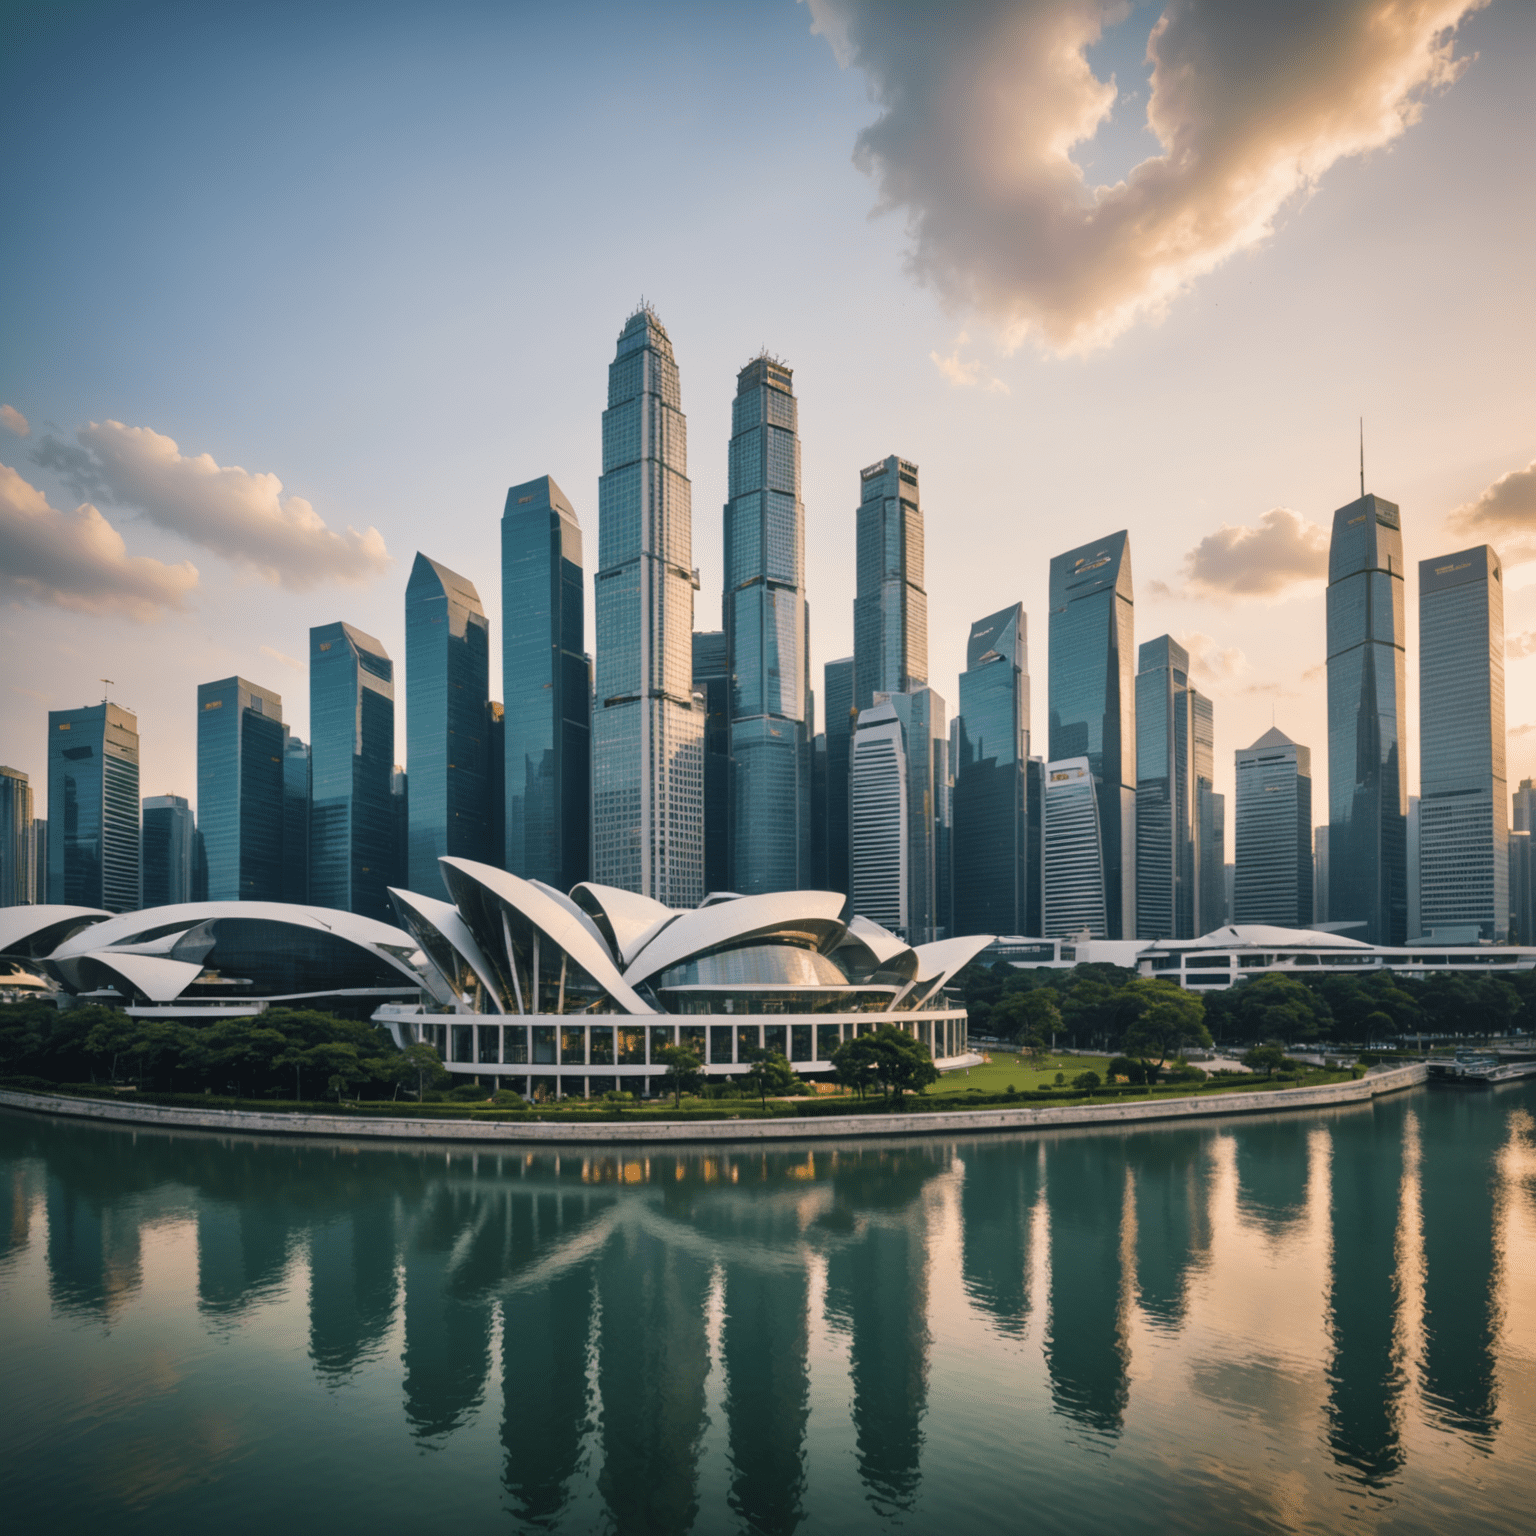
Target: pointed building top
[(1273, 737)]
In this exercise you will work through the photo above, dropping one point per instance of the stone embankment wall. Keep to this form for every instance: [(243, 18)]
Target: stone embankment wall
[(839, 1127)]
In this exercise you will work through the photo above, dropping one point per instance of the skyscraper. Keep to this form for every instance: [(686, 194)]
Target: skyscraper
[(890, 605), (648, 734), (712, 681), (880, 847), (16, 867), (1320, 875), (1092, 703), (168, 839), (1367, 773), (1073, 854), (93, 807), (295, 820), (923, 717), (240, 740), (447, 686), (1167, 850), (766, 636), (1272, 881), (1414, 927), (1210, 819), (991, 809), (1463, 861), (40, 858), (546, 682), (352, 757), (841, 717)]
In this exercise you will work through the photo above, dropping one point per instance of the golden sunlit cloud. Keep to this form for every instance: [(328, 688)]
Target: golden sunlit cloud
[(13, 421), (1504, 515), (1284, 550)]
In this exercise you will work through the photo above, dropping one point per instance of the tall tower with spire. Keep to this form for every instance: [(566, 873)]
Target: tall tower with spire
[(648, 728)]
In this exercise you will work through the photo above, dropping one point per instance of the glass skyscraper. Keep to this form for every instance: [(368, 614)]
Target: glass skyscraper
[(767, 637), (240, 741), (881, 849), (993, 892), (1073, 852), (447, 686), (295, 820), (890, 605), (93, 807), (1463, 786), (648, 731), (1367, 771), (712, 680), (1272, 878), (841, 716), (16, 864), (547, 686), (168, 837), (1092, 704), (1210, 821), (352, 759)]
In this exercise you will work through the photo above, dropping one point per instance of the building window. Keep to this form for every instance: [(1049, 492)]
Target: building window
[(720, 1044)]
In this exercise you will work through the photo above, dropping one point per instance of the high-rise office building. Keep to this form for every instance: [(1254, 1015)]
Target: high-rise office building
[(841, 718), (880, 847), (93, 807), (400, 824), (1367, 771), (923, 716), (352, 758), (1522, 865), (1272, 880), (648, 732), (1210, 819), (1093, 702), (1415, 925), (295, 820), (168, 838), (1168, 822), (991, 803), (819, 880), (1320, 875), (1073, 853), (890, 605), (447, 686), (496, 780), (240, 740), (766, 628), (712, 682), (16, 864), (1463, 862), (546, 679), (40, 858)]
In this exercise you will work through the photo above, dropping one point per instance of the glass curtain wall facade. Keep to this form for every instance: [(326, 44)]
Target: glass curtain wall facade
[(841, 718), (648, 733), (352, 759), (93, 807), (1367, 770), (766, 631), (991, 803), (890, 605), (1463, 784), (168, 838), (1093, 703), (295, 820), (1073, 852), (447, 688), (546, 682), (712, 681), (1166, 849), (240, 738), (878, 804), (1272, 878), (923, 717), (1210, 819), (16, 863)]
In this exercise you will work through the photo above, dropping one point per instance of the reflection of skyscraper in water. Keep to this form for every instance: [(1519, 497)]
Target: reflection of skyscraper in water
[(1461, 1260), (1086, 1351), (93, 1251), (996, 1208), (1365, 1378), (242, 1253), (1173, 1231), (877, 1292), (1272, 1173), (652, 1361), (351, 1288)]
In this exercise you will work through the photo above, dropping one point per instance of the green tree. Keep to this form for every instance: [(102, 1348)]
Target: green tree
[(903, 1064), (1265, 1058), (1278, 1007), (1163, 1020), (420, 1063), (682, 1074), (1032, 1017), (853, 1063), (111, 1039), (769, 1073)]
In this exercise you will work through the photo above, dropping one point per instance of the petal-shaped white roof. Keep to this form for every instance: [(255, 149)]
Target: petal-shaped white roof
[(1261, 936), (20, 924), (442, 918), (160, 980), (627, 919), (811, 918), (874, 948), (937, 962)]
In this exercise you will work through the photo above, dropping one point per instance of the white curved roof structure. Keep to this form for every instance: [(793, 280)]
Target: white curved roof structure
[(1260, 936), (442, 934), (937, 962), (34, 931), (627, 919)]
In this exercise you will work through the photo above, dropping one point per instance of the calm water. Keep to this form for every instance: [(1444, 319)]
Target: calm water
[(1309, 1322)]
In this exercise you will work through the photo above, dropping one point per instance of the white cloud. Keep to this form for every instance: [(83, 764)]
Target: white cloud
[(242, 516), (78, 560), (1505, 512), (13, 421), (1211, 659), (967, 373), (276, 655), (1258, 562), (1517, 647), (984, 103)]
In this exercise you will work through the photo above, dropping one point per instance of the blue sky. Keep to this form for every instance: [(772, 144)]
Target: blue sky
[(383, 254)]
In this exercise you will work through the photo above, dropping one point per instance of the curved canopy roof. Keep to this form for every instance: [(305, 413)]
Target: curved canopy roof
[(937, 962), (1261, 936), (31, 932), (626, 919)]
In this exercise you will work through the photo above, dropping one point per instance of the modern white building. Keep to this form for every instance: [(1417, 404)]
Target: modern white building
[(1074, 853), (878, 836)]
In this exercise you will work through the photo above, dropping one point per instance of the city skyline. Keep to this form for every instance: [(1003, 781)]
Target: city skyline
[(360, 437)]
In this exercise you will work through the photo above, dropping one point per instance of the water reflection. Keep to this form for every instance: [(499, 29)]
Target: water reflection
[(616, 1321)]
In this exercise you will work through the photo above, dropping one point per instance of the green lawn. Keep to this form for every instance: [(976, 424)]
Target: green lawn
[(1006, 1068)]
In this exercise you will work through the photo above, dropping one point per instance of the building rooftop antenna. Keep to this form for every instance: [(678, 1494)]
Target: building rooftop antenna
[(106, 685)]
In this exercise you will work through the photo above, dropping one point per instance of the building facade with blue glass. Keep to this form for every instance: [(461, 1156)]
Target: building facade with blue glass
[(841, 717), (766, 626), (447, 687), (93, 808), (890, 605), (240, 742), (352, 758), (295, 821), (1272, 877), (547, 688), (648, 730), (168, 839), (1463, 780), (1367, 767), (16, 863), (712, 683), (1093, 703), (996, 889)]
